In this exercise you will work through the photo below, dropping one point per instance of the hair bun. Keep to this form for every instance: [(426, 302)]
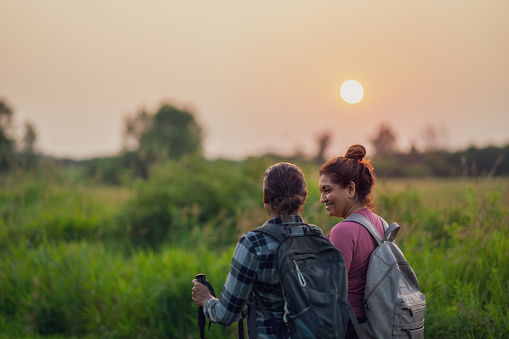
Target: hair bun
[(357, 152)]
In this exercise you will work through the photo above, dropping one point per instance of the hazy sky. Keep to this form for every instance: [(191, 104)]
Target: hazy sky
[(260, 75)]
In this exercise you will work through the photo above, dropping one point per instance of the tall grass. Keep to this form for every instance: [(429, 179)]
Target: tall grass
[(70, 268), (456, 240), (464, 268), (32, 208), (79, 289)]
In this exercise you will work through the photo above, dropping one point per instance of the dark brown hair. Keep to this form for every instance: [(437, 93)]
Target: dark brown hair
[(286, 188), (352, 167)]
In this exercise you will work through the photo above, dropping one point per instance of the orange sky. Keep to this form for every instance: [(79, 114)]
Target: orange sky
[(260, 75)]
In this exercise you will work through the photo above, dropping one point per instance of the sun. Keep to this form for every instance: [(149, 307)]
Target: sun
[(351, 91)]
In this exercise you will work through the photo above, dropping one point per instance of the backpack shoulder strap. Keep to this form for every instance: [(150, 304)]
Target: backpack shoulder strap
[(384, 223), (390, 231), (354, 320), (362, 220), (272, 230), (278, 232)]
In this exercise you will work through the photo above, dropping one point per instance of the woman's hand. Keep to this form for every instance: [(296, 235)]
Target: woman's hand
[(200, 293)]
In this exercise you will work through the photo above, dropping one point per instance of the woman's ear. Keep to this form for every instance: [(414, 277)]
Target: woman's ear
[(351, 190)]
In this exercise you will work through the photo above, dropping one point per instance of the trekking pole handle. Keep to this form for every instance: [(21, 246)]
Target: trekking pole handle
[(201, 316), (201, 278)]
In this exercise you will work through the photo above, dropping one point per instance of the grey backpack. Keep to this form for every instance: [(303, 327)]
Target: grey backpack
[(313, 282), (393, 302)]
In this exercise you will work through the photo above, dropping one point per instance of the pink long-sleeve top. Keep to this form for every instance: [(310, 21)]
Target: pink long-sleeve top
[(356, 244)]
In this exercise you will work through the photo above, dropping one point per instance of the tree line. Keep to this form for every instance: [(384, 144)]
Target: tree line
[(15, 153), (152, 138)]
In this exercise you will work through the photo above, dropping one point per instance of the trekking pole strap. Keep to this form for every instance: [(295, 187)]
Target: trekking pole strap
[(241, 328)]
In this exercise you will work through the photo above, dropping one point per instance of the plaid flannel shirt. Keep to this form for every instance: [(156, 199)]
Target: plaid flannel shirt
[(254, 270)]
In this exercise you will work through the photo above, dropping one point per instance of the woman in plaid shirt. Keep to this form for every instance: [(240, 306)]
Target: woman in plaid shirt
[(254, 267)]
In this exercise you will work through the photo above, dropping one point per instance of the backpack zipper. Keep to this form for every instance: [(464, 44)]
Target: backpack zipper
[(302, 281), (409, 310), (379, 282), (408, 331)]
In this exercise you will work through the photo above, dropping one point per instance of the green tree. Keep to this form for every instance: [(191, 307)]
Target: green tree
[(172, 134), (135, 127), (168, 134), (323, 140), (28, 156), (385, 141), (7, 144), (434, 138)]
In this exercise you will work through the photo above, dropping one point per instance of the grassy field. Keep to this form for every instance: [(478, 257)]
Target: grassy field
[(72, 266), (437, 192)]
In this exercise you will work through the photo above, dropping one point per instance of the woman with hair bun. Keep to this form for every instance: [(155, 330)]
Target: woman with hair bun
[(346, 185)]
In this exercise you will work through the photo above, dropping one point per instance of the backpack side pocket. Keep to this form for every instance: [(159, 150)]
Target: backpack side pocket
[(409, 316)]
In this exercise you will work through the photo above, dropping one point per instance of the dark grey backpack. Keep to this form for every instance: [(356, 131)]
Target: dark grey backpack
[(393, 302), (313, 281)]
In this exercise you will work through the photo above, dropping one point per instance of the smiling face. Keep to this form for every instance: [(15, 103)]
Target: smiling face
[(338, 201)]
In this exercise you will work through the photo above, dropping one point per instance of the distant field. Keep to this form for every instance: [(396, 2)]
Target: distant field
[(436, 192)]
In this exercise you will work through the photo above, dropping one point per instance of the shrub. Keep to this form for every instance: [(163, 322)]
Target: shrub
[(190, 194)]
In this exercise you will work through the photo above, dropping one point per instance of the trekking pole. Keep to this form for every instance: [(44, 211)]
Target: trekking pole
[(201, 316)]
